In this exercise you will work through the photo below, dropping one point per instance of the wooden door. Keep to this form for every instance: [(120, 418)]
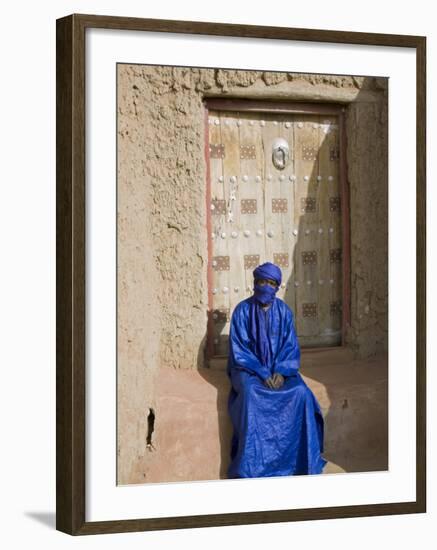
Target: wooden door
[(261, 210)]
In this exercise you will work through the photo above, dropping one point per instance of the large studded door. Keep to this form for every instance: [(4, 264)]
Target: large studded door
[(275, 196)]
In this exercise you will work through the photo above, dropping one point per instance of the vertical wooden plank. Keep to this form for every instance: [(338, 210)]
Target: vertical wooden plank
[(252, 188), (312, 283), (324, 217), (307, 248), (210, 272), (231, 174), (299, 194), (345, 223), (289, 224), (277, 188), (220, 279), (232, 182), (335, 228), (271, 188)]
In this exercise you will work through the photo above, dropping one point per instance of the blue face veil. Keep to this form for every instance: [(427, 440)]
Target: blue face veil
[(264, 295)]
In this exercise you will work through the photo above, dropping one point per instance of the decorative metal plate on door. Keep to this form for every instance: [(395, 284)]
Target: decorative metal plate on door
[(220, 263), (334, 153), (251, 261), (335, 255), (216, 150), (309, 309), (218, 206), (309, 153), (248, 206), (308, 204), (279, 206), (309, 257), (335, 307), (334, 204), (281, 259), (247, 152)]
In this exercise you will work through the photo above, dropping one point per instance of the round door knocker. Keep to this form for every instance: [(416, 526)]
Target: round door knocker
[(280, 153)]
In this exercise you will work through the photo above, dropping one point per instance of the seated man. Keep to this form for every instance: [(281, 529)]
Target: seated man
[(277, 421)]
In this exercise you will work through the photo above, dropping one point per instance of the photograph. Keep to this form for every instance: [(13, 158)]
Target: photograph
[(251, 273)]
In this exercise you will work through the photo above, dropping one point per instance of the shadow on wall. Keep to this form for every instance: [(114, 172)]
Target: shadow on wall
[(353, 394)]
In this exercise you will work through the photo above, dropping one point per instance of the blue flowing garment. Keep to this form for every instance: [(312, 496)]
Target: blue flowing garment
[(276, 432)]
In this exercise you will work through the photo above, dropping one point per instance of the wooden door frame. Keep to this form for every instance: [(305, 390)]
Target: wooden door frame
[(292, 107)]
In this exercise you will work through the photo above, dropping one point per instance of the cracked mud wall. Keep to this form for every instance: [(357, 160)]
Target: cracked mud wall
[(162, 236)]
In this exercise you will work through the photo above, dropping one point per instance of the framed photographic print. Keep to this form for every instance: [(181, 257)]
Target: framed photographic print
[(241, 275)]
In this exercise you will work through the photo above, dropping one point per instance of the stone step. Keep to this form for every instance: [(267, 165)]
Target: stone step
[(309, 357)]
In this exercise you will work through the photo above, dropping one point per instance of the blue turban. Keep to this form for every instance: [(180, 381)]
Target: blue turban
[(268, 271)]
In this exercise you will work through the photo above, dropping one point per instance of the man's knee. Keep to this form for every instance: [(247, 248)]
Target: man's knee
[(304, 391), (241, 379), (250, 386)]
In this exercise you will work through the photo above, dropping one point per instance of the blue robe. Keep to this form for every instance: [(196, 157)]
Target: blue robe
[(275, 432)]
